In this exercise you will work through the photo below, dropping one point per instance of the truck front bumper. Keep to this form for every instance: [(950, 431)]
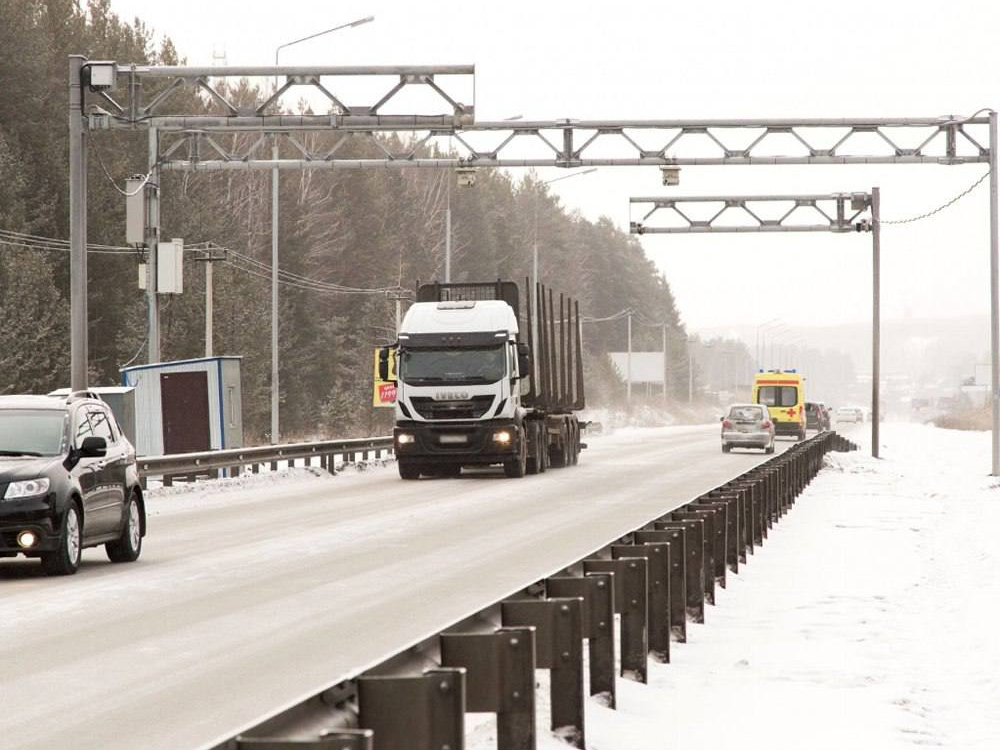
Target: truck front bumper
[(464, 443)]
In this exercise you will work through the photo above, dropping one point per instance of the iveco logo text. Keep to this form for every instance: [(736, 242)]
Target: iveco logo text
[(451, 396)]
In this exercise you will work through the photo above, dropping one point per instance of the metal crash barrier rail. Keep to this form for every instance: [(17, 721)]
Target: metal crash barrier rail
[(212, 464), (657, 578)]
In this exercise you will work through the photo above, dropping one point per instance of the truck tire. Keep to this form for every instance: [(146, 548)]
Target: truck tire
[(408, 470), (535, 463), (515, 468)]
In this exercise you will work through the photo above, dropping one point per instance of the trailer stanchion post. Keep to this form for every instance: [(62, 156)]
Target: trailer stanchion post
[(630, 599)]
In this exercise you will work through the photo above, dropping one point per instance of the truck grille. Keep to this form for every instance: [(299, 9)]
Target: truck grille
[(474, 408)]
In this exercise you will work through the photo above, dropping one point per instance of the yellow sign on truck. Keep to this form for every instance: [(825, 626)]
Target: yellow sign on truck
[(384, 391), (783, 393)]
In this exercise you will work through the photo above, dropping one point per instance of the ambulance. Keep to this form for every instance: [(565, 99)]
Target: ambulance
[(783, 393)]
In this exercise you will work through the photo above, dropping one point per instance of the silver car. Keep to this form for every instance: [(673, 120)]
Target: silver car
[(747, 426)]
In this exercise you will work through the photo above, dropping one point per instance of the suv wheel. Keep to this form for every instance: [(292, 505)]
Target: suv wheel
[(128, 546), (65, 560)]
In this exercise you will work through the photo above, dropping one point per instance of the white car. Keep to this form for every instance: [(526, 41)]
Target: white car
[(850, 414)]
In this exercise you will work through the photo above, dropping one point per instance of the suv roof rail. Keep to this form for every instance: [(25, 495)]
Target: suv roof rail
[(77, 395)]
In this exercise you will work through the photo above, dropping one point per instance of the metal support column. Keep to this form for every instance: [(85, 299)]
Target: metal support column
[(275, 431), (876, 317), (628, 365), (665, 399), (447, 231), (77, 227), (994, 299)]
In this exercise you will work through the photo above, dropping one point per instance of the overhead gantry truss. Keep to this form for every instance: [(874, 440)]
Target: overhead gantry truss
[(147, 97), (835, 212)]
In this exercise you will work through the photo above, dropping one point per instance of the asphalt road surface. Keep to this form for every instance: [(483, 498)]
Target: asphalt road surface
[(250, 598)]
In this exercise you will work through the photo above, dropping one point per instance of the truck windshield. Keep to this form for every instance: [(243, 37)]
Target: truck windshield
[(425, 366), (33, 432)]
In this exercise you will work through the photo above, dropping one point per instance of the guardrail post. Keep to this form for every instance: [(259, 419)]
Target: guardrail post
[(422, 712), (726, 533), (694, 566), (715, 541), (708, 558), (630, 600), (678, 584), (341, 739), (499, 678), (658, 557), (558, 627), (597, 592)]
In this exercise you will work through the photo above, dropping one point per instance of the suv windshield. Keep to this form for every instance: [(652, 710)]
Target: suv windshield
[(31, 432), (425, 366)]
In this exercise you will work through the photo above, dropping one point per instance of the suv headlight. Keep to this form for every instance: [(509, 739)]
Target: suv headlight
[(27, 488)]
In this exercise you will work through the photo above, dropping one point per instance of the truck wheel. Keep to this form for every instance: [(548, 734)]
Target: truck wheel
[(515, 467), (408, 470)]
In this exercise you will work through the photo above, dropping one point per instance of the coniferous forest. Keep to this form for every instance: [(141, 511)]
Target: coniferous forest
[(364, 230)]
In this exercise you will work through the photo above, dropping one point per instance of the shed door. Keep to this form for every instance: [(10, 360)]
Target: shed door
[(184, 402)]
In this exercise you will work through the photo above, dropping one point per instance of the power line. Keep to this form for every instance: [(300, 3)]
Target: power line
[(942, 207)]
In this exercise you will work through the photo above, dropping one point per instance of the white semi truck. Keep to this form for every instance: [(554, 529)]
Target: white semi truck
[(477, 384)]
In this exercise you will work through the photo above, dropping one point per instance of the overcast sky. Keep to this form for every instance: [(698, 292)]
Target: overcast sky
[(726, 58)]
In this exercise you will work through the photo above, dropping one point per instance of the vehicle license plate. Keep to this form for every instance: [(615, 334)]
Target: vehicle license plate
[(453, 439)]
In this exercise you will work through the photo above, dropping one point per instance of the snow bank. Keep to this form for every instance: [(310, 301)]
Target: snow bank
[(869, 620)]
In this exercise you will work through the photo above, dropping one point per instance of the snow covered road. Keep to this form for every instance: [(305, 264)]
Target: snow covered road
[(253, 597)]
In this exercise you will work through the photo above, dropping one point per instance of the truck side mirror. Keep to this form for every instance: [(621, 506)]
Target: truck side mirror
[(383, 363), (523, 359)]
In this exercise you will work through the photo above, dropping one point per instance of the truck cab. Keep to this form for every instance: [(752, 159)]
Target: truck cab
[(463, 386)]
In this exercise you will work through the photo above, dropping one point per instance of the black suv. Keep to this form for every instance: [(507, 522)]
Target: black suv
[(68, 480)]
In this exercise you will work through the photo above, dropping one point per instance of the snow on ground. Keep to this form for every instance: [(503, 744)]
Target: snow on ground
[(869, 620)]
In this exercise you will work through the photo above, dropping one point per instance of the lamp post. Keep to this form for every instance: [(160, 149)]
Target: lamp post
[(763, 327), (274, 231)]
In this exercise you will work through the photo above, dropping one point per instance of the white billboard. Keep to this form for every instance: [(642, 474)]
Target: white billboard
[(647, 367)]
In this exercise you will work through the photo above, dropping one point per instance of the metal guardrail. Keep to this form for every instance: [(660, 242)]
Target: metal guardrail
[(657, 578), (215, 463)]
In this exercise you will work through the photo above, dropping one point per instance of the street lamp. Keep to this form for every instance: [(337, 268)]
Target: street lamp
[(274, 230), (763, 327)]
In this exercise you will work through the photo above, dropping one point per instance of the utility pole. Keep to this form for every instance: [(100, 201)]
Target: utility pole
[(690, 372), (209, 259), (664, 363), (628, 365), (876, 316), (152, 250), (447, 231), (994, 297), (275, 389), (78, 227)]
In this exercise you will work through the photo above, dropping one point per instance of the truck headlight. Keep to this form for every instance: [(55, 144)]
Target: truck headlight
[(502, 436), (404, 438), (27, 488)]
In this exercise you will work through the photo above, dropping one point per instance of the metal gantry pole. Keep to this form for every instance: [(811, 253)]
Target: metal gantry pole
[(690, 373), (275, 401), (152, 251), (77, 226), (447, 231), (876, 316), (994, 298), (665, 363), (628, 365)]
